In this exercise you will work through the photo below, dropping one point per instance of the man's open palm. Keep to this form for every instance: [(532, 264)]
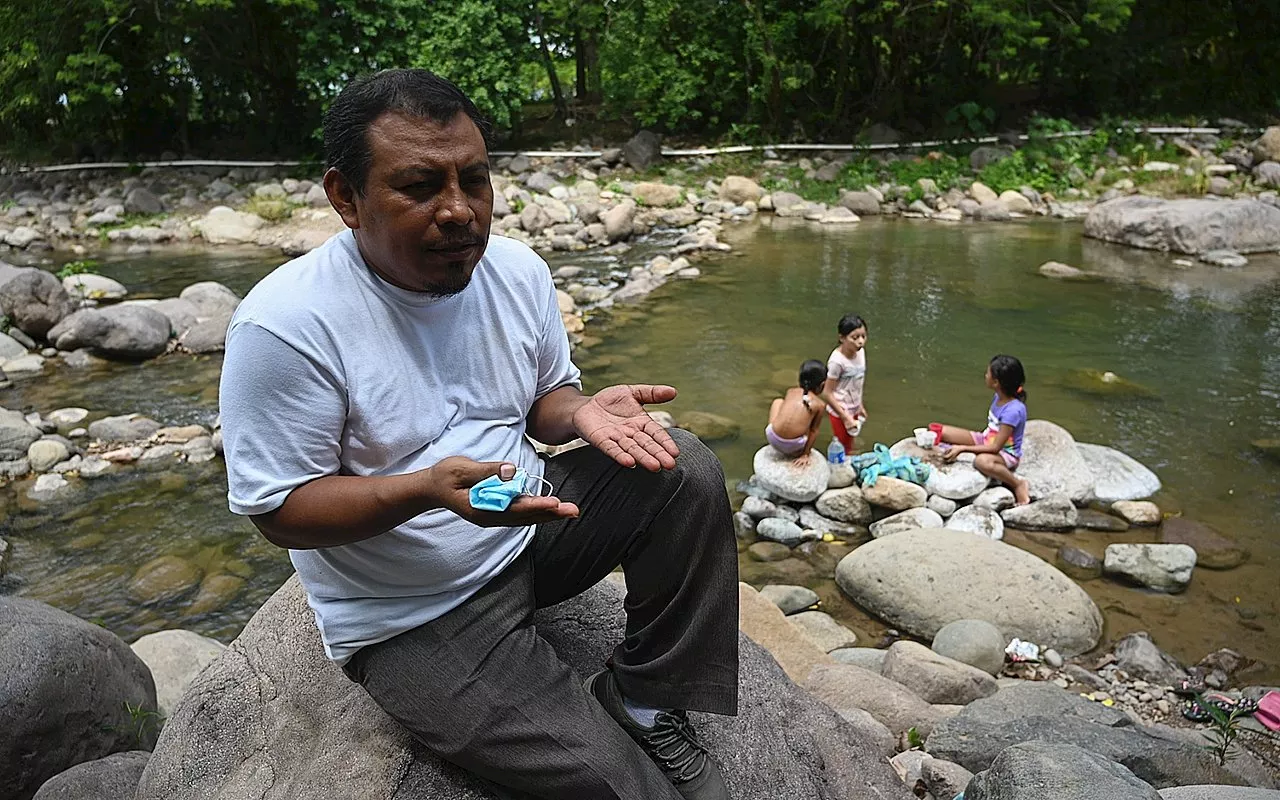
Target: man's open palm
[(614, 420)]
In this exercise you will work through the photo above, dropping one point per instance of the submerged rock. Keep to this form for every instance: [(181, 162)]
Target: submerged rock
[(1106, 384), (1213, 549), (709, 427)]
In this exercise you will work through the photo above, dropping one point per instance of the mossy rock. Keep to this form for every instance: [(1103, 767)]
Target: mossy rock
[(1099, 383), (1268, 447), (162, 579), (709, 427)]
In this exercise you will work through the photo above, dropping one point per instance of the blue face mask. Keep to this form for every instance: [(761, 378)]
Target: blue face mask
[(495, 494)]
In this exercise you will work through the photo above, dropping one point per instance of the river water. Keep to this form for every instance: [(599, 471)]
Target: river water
[(1200, 346)]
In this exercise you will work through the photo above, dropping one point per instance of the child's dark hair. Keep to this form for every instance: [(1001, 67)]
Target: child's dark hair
[(850, 323), (1008, 372), (813, 374)]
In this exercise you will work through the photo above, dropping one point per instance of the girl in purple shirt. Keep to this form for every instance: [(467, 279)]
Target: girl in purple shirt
[(999, 447)]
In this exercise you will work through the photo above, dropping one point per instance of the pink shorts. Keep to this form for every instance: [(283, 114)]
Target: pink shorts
[(1010, 460)]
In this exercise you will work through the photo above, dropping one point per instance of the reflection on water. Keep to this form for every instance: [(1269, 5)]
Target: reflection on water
[(1202, 343)]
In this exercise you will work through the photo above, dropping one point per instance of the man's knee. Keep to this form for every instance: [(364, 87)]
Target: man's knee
[(699, 468)]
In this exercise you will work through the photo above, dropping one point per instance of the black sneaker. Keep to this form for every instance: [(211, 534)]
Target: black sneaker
[(671, 743)]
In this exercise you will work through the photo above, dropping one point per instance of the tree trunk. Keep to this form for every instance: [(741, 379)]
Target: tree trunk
[(562, 108)]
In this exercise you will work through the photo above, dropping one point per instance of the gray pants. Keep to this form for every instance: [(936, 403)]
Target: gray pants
[(481, 689)]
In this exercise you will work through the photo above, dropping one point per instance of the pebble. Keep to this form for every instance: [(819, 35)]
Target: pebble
[(1163, 706), (1052, 658)]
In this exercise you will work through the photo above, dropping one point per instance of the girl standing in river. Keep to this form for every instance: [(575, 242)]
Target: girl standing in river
[(846, 374), (999, 447)]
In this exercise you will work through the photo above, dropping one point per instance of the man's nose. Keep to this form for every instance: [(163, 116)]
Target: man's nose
[(453, 207)]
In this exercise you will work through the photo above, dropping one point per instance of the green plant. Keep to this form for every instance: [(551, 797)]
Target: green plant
[(142, 724), (970, 119), (268, 209), (914, 739), (1224, 729), (83, 267)]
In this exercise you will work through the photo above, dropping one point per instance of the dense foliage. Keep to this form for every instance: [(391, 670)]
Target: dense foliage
[(103, 78)]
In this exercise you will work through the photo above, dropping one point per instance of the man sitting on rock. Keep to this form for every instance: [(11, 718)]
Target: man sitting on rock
[(370, 384)]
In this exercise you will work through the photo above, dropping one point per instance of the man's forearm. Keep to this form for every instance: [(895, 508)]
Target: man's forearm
[(550, 421), (342, 509)]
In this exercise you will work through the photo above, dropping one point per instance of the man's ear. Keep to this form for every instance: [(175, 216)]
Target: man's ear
[(342, 196)]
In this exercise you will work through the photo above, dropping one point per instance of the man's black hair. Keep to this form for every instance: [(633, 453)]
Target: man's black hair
[(850, 323), (415, 92)]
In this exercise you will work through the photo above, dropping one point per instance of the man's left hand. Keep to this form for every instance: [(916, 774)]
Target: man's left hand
[(614, 420)]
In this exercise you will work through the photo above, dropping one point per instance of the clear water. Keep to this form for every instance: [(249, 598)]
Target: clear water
[(1203, 343)]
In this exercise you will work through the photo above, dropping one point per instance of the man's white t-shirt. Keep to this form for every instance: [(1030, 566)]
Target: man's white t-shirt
[(331, 370), (849, 374)]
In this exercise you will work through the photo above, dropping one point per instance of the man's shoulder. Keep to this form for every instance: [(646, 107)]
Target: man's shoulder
[(515, 258), (300, 289)]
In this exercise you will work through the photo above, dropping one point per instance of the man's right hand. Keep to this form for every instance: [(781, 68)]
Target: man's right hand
[(449, 482)]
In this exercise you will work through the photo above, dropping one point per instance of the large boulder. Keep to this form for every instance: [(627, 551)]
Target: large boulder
[(1052, 464), (1186, 226), (71, 692), (935, 677), (1056, 772), (787, 479), (864, 204), (175, 658), (112, 778), (921, 580), (34, 301), (126, 332), (1041, 712), (1116, 476), (619, 221), (272, 718), (661, 195), (763, 621), (182, 314), (16, 435), (1163, 567), (1218, 793), (1267, 146)]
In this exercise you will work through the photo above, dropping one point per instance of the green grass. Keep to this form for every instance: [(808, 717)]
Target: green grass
[(271, 210)]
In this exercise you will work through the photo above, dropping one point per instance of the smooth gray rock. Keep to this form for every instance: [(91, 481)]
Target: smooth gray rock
[(1186, 226), (758, 508), (913, 519), (65, 695), (230, 737), (123, 428), (943, 779), (919, 581), (1164, 567), (790, 599), (1041, 712), (1056, 772), (979, 521), (783, 531), (1137, 655), (975, 642), (16, 435), (786, 479), (210, 298), (207, 336), (34, 301), (112, 778), (864, 204), (812, 520), (744, 527), (895, 494), (822, 629), (1055, 512), (844, 505), (935, 677), (956, 481), (997, 499), (141, 200), (182, 314), (175, 658), (941, 506), (869, 658), (1052, 464), (126, 332), (1116, 475), (898, 708)]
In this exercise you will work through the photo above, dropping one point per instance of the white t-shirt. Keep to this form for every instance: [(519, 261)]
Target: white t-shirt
[(849, 375), (331, 370)]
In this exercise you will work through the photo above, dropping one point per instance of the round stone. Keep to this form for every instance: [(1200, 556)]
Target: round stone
[(975, 642)]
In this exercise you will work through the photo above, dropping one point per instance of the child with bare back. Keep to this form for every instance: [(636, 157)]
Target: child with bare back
[(794, 418)]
